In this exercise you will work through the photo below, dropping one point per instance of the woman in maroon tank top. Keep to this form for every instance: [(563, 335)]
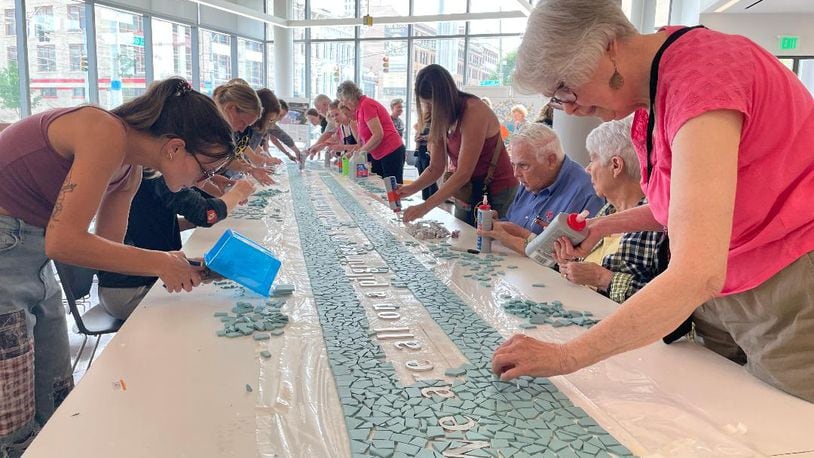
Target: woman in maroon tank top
[(59, 169), (467, 132)]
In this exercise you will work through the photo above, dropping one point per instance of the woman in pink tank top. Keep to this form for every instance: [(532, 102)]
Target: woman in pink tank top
[(725, 134), (59, 169), (465, 131)]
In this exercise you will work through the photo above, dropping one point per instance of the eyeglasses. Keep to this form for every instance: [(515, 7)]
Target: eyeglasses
[(523, 166), (562, 95), (208, 174)]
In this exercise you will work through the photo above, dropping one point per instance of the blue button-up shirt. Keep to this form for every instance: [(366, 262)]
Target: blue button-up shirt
[(571, 192)]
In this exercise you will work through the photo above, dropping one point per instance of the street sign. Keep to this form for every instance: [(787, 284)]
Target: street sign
[(490, 82), (138, 40)]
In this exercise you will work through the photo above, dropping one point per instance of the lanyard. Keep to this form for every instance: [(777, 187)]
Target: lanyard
[(654, 75)]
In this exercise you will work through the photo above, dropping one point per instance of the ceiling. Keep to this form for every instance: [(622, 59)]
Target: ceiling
[(766, 6)]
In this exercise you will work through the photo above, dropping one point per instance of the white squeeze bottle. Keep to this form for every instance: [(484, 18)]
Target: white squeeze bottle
[(484, 243), (570, 225)]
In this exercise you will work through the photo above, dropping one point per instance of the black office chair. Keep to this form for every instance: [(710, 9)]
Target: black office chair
[(76, 283)]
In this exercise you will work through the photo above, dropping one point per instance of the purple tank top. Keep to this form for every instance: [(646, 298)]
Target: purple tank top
[(32, 172)]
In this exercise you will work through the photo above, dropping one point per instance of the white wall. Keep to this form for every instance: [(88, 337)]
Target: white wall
[(764, 29)]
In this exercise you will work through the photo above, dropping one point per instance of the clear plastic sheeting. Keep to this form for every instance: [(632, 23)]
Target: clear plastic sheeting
[(298, 410)]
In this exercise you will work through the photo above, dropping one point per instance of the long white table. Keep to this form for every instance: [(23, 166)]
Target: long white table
[(186, 390)]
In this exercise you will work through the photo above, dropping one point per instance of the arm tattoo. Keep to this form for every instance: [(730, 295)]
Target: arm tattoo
[(58, 205)]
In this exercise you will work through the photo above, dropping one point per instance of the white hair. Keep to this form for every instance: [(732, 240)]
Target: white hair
[(613, 139), (348, 90), (541, 138), (564, 42)]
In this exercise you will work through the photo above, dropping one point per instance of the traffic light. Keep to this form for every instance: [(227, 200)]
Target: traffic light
[(336, 74), (385, 64), (83, 63)]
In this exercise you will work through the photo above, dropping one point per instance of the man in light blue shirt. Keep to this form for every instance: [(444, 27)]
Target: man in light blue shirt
[(551, 183)]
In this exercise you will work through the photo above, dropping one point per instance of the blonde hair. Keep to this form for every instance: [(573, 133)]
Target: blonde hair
[(241, 95), (564, 42), (520, 109)]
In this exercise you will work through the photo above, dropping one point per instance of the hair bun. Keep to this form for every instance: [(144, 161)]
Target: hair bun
[(182, 88)]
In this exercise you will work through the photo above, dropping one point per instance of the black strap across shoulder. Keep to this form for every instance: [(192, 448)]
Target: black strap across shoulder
[(654, 75)]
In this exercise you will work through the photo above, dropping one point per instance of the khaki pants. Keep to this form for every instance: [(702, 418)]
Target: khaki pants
[(770, 328)]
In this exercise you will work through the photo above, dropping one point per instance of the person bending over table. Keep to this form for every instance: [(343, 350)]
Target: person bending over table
[(376, 131), (58, 170), (344, 139), (551, 183), (465, 132), (726, 172), (280, 138), (620, 264), (241, 108), (257, 148), (154, 224)]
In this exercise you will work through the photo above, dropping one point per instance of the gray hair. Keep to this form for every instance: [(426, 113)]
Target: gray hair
[(348, 90), (541, 138), (564, 42), (613, 139), (322, 98), (395, 102)]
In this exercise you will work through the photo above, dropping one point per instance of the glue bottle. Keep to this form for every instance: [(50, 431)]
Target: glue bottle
[(391, 186), (484, 243), (570, 225), (345, 165), (360, 166)]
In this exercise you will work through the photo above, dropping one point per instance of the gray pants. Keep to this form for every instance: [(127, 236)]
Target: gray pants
[(120, 302), (32, 327), (769, 329)]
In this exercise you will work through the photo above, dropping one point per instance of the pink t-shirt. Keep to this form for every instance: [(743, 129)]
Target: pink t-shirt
[(391, 140), (773, 221)]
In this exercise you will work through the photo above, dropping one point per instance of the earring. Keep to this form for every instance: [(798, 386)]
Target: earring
[(616, 80)]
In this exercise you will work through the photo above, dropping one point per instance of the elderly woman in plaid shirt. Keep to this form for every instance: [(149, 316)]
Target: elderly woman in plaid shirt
[(620, 264)]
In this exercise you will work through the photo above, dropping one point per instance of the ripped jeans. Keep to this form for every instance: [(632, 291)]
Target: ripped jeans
[(32, 328)]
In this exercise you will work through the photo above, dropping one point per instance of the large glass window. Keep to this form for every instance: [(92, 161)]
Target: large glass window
[(331, 63), (517, 25), (172, 50), (299, 70), (385, 8), (216, 60), (270, 65), (439, 7), (120, 56), (491, 61), (806, 73), (662, 13), (297, 13), (57, 53), (447, 52), (384, 69), (10, 104), (250, 62)]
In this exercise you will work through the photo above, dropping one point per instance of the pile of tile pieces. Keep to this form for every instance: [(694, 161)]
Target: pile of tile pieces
[(427, 230), (546, 313), (259, 321), (256, 207)]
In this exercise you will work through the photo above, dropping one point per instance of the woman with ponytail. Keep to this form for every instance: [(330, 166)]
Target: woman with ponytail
[(58, 170)]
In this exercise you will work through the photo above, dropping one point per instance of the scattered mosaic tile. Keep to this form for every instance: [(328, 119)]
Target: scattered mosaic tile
[(384, 418)]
